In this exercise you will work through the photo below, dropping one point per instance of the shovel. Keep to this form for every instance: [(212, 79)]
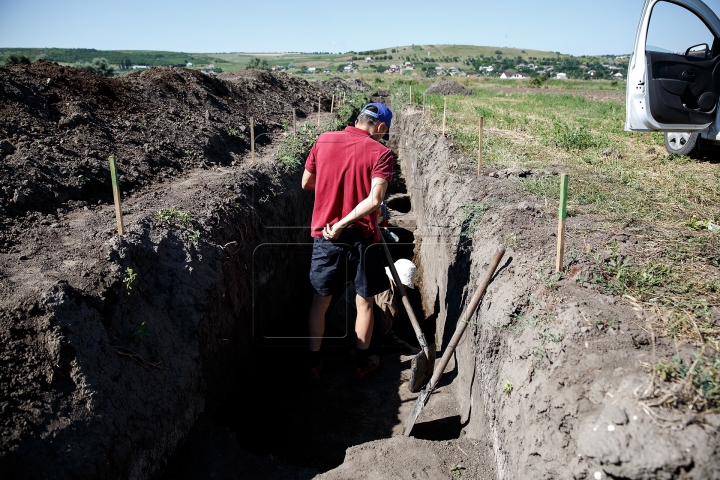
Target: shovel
[(459, 330), (422, 364)]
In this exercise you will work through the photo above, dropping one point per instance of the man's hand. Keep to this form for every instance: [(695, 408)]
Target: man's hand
[(332, 233)]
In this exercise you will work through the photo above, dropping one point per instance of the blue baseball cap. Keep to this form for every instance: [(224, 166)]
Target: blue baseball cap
[(384, 115)]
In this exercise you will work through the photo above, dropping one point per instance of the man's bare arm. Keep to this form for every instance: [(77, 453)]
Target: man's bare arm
[(308, 181), (366, 207)]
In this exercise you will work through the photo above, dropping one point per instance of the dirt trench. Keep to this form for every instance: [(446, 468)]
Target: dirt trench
[(538, 385), (192, 368)]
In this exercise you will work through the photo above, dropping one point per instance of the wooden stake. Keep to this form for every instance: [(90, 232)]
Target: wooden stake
[(444, 111), (332, 103), (294, 122), (480, 145), (116, 196), (410, 94), (318, 111), (424, 97), (562, 214), (252, 140)]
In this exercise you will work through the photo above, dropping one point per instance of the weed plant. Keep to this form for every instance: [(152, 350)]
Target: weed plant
[(182, 219), (128, 280), (173, 216), (473, 214)]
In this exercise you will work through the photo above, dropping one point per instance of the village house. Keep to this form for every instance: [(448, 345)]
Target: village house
[(368, 60), (561, 76), (513, 75)]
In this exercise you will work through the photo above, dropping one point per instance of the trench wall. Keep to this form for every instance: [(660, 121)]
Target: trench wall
[(132, 370), (556, 393)]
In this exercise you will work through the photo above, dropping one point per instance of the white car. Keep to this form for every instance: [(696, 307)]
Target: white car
[(674, 74)]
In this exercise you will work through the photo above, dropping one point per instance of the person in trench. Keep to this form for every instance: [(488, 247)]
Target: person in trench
[(349, 171), (385, 310)]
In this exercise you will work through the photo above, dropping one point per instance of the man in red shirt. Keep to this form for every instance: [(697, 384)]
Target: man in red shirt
[(349, 172)]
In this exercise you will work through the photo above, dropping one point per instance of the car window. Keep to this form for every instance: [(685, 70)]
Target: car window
[(674, 29)]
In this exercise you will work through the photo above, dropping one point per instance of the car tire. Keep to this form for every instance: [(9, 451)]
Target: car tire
[(682, 143)]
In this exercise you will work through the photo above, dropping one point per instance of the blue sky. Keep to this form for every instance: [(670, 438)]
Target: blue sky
[(567, 26)]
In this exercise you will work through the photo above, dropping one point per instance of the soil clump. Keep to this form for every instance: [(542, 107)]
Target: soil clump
[(448, 87), (346, 85)]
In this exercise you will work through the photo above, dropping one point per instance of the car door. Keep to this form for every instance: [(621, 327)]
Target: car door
[(673, 76)]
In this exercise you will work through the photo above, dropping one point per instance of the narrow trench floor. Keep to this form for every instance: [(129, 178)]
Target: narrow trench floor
[(296, 431)]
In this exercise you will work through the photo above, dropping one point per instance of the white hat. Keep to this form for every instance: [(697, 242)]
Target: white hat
[(406, 271)]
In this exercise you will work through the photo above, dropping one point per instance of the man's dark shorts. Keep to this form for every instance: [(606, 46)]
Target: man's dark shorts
[(349, 258)]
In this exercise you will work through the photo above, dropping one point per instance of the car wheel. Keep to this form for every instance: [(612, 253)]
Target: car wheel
[(681, 143)]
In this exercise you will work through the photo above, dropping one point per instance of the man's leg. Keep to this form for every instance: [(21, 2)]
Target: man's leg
[(364, 321), (366, 362), (316, 320)]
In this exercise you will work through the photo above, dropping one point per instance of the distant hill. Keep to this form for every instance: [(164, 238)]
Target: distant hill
[(122, 58), (467, 58)]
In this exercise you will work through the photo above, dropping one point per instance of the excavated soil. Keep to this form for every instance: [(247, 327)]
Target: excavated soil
[(190, 366), (448, 87)]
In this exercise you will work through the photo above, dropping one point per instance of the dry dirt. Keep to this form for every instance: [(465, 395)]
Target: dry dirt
[(195, 370), (448, 87)]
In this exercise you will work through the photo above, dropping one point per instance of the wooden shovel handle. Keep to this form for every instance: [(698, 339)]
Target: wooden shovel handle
[(463, 322), (405, 301)]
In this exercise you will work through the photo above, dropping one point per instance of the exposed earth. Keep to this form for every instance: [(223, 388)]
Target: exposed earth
[(448, 87), (175, 350)]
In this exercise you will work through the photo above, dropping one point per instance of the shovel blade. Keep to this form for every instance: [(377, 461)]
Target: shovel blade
[(421, 369), (417, 410)]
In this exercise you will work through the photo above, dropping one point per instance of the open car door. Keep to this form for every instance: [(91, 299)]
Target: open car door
[(673, 76)]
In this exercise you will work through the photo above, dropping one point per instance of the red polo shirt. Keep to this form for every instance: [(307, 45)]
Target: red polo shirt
[(345, 163)]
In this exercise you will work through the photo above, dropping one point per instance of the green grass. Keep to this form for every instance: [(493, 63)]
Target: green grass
[(664, 201)]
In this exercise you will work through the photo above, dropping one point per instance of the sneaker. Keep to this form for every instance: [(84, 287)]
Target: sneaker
[(314, 376), (373, 362)]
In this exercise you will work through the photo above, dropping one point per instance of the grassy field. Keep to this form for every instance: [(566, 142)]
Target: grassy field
[(636, 188)]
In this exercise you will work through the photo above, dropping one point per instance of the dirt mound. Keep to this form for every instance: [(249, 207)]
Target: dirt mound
[(448, 87), (346, 85), (275, 94), (62, 123)]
